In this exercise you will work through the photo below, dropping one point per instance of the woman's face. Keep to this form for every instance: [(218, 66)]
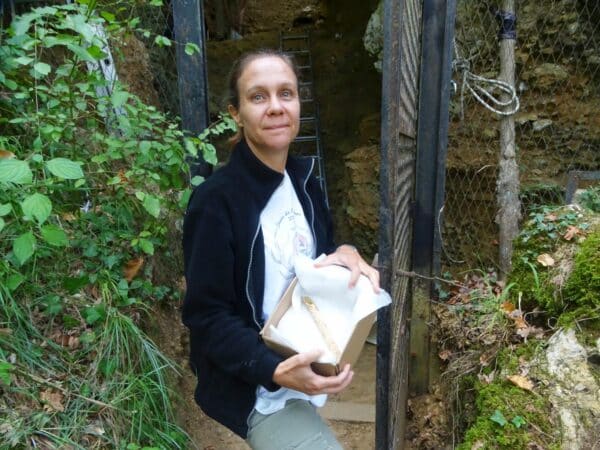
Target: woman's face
[(269, 111)]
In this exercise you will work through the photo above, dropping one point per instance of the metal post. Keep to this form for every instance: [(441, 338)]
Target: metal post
[(188, 17), (432, 142)]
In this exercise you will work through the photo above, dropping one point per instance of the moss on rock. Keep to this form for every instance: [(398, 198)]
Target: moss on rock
[(556, 260)]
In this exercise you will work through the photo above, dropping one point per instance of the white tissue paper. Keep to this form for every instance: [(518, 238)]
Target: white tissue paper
[(340, 307)]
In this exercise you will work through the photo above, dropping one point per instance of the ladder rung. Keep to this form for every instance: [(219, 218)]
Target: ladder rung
[(308, 119), (305, 138), (307, 100), (297, 52), (304, 67), (298, 36)]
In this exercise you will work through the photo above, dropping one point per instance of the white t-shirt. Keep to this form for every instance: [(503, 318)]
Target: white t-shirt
[(286, 233)]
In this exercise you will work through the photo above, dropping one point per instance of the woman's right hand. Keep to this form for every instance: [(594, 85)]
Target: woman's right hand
[(296, 373)]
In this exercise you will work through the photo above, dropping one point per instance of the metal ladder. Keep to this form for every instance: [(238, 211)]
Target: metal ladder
[(308, 143)]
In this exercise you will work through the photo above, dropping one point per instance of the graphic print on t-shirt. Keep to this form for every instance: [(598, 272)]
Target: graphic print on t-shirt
[(286, 234), (290, 238)]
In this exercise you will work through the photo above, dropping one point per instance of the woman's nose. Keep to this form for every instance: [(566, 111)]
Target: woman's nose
[(275, 105)]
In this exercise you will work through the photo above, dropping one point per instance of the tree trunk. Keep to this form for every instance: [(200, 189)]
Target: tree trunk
[(509, 206)]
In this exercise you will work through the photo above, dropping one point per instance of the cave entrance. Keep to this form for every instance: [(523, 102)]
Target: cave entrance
[(413, 137)]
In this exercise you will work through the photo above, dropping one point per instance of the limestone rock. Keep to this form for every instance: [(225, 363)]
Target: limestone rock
[(363, 198), (548, 75), (574, 391), (373, 38)]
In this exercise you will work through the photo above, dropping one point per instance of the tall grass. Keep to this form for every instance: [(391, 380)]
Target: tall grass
[(113, 391)]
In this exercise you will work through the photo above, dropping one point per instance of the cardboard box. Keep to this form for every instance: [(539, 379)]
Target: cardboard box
[(349, 354)]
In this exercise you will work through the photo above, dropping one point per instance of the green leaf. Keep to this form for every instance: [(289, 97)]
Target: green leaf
[(190, 147), (23, 247), (151, 205), (518, 421), (147, 246), (499, 418), (94, 313), (209, 153), (156, 2), (54, 235), (74, 284), (2, 223), (109, 17), (54, 305), (24, 60), (197, 180), (21, 23), (119, 98), (96, 52), (185, 198), (15, 171), (14, 281), (65, 168), (79, 23), (162, 41), (145, 146), (5, 370), (41, 69), (10, 84), (37, 206), (87, 337), (191, 49), (81, 52)]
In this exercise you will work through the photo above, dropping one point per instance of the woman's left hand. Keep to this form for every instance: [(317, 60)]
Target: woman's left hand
[(348, 256)]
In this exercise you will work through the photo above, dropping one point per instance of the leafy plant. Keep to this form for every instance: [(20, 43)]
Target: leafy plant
[(590, 199), (91, 180)]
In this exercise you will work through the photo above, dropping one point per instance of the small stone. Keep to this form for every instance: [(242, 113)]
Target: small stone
[(539, 125), (548, 75), (594, 60), (523, 118)]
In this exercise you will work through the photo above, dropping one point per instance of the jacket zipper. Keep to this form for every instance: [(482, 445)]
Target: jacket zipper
[(312, 229), (312, 210), (248, 276)]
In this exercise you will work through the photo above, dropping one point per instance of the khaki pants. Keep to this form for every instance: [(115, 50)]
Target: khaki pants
[(297, 426)]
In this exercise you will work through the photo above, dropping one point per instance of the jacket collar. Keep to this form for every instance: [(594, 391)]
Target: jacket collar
[(261, 179)]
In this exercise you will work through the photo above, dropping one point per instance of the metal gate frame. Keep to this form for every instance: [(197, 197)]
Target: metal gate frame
[(418, 38)]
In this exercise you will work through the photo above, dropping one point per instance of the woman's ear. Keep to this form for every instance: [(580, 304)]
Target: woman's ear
[(235, 114)]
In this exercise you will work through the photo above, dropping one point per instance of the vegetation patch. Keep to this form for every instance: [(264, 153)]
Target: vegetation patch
[(554, 253), (90, 180), (493, 336), (509, 417)]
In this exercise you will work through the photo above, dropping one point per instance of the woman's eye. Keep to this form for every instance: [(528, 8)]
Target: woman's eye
[(257, 97), (287, 94)]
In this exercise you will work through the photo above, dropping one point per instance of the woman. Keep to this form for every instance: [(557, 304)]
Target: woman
[(242, 229)]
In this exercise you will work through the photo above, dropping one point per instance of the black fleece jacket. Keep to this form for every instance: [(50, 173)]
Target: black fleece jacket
[(225, 272)]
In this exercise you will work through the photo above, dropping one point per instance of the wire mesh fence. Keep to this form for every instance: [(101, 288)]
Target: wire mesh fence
[(162, 60), (148, 66), (557, 127)]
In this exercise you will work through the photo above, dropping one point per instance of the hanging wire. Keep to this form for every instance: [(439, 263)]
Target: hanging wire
[(481, 88)]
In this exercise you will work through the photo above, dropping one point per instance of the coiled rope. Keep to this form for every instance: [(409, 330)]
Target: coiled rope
[(481, 88)]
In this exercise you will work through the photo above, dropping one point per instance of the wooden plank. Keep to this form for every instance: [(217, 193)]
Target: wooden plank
[(399, 106), (389, 142), (432, 141), (348, 411)]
